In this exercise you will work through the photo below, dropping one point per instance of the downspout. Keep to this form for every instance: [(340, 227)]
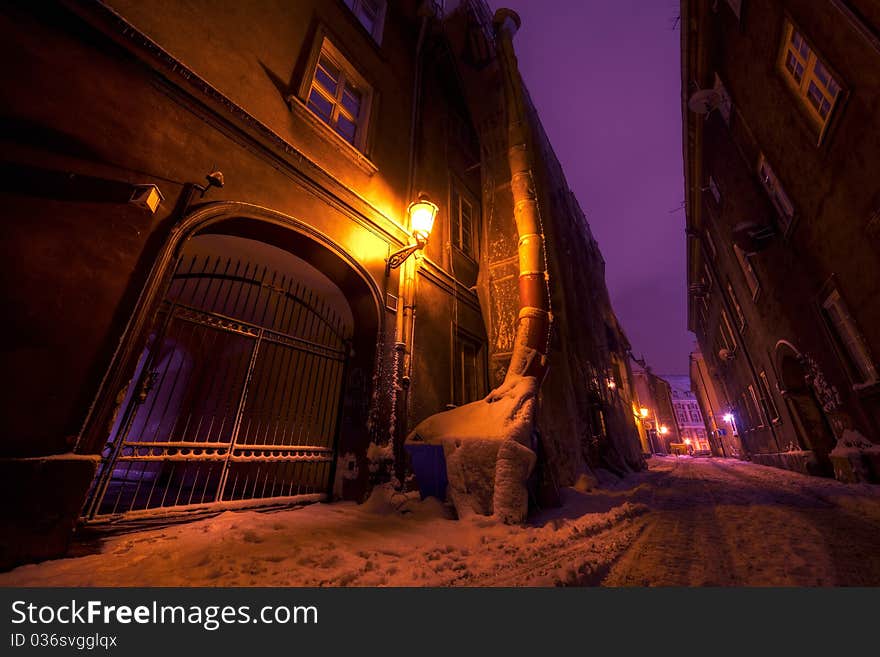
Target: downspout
[(405, 321), (534, 320)]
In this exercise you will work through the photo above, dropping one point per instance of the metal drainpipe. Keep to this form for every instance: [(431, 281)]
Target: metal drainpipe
[(405, 324), (534, 320)]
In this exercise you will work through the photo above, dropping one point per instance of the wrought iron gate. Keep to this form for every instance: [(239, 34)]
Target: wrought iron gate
[(236, 395)]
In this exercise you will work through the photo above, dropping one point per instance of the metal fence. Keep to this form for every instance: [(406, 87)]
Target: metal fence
[(236, 395)]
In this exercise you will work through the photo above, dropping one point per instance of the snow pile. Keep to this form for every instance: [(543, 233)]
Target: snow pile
[(486, 447), (684, 522), (852, 443)]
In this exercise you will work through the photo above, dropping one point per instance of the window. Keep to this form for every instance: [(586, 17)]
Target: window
[(756, 406), (695, 417), (468, 371), (339, 96), (739, 312), (769, 405), (747, 270), (725, 104), (774, 190), (844, 329), (727, 337), (808, 76), (461, 215), (371, 14), (735, 7), (711, 244), (713, 187)]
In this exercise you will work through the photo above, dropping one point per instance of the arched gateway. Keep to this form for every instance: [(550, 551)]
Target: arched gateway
[(242, 369)]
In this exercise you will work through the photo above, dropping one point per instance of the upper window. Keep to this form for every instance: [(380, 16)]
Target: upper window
[(808, 76), (371, 14), (725, 104), (769, 405), (339, 96), (462, 222), (774, 190), (850, 339), (713, 187), (747, 270), (740, 317)]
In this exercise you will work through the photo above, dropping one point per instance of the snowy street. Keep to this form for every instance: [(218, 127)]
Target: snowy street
[(685, 522)]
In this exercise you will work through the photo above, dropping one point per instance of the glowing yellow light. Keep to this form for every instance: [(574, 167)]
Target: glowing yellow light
[(611, 384), (421, 217), (664, 430), (643, 412), (728, 417), (687, 441)]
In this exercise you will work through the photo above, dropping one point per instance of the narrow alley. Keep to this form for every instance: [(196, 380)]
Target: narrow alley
[(684, 522)]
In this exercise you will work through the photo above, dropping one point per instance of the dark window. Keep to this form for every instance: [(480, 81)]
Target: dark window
[(462, 222), (468, 370)]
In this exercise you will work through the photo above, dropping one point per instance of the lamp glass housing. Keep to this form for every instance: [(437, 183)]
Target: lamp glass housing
[(421, 218)]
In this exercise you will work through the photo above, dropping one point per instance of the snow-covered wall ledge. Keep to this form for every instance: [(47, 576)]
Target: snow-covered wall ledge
[(485, 445)]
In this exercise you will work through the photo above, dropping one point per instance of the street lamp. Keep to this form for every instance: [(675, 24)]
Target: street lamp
[(663, 430), (643, 412), (421, 220)]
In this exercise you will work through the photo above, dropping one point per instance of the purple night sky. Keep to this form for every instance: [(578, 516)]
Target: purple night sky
[(605, 76)]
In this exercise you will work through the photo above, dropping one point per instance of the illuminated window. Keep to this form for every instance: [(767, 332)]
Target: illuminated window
[(808, 76), (747, 270), (339, 96), (774, 190), (468, 371), (371, 14), (462, 222), (846, 332)]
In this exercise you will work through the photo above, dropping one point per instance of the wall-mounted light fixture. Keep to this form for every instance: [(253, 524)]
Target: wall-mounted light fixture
[(643, 412), (147, 197), (663, 430), (421, 220)]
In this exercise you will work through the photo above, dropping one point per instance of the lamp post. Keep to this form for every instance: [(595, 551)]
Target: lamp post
[(422, 213)]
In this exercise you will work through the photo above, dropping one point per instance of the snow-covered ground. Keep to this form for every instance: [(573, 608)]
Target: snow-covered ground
[(685, 522)]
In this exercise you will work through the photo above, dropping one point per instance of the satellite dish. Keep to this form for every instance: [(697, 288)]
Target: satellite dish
[(704, 101)]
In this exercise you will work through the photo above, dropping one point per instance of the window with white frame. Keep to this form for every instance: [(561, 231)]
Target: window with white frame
[(808, 76), (846, 332), (769, 404), (748, 271), (756, 405), (778, 197), (727, 334), (461, 223), (371, 14), (741, 318), (340, 96)]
